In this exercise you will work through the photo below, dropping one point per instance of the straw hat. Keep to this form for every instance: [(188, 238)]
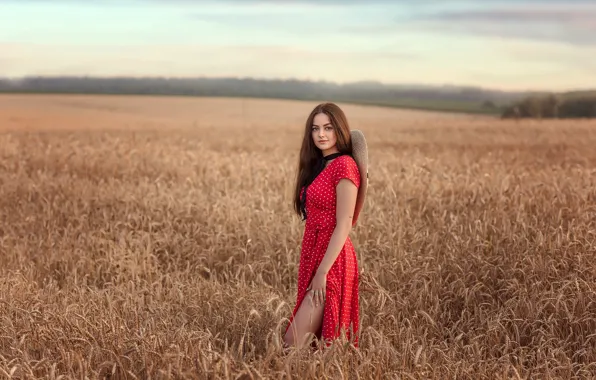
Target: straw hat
[(360, 155)]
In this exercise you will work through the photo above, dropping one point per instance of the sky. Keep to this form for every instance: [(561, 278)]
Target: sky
[(505, 44)]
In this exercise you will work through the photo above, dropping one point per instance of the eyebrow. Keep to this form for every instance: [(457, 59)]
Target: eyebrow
[(324, 125)]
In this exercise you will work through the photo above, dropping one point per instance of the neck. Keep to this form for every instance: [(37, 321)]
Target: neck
[(330, 157)]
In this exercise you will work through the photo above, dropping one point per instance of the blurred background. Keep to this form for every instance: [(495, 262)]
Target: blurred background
[(514, 58), (146, 236)]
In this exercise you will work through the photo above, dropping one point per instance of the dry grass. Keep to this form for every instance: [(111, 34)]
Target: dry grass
[(154, 238)]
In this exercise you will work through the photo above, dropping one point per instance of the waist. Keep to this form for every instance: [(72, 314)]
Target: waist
[(320, 220)]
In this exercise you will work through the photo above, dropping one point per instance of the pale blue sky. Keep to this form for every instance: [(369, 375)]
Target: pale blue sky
[(517, 44)]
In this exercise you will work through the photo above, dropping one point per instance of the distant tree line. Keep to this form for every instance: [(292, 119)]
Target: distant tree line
[(454, 98), (554, 106), (369, 92)]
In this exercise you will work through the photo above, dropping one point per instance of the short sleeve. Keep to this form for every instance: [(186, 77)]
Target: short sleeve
[(346, 168)]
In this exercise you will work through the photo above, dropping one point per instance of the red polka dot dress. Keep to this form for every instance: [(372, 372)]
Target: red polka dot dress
[(341, 311)]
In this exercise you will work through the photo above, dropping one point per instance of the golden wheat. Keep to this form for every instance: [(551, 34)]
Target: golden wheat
[(145, 237)]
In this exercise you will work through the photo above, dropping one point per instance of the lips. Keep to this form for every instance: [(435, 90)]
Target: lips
[(322, 141)]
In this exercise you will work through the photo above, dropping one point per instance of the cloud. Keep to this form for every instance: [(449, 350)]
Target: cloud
[(575, 19), (182, 61), (567, 57), (306, 2), (574, 25)]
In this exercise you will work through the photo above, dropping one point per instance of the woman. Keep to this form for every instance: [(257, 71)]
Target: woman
[(325, 196)]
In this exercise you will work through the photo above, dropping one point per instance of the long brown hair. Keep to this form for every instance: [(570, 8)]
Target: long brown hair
[(310, 155)]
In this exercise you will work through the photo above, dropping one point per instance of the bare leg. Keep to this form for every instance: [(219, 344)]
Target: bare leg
[(308, 319)]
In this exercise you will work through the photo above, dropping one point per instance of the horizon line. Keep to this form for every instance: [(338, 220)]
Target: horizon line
[(287, 79)]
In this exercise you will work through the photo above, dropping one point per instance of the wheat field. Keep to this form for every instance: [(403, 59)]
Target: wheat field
[(154, 238)]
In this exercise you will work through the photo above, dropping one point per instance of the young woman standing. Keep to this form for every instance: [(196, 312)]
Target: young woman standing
[(326, 196)]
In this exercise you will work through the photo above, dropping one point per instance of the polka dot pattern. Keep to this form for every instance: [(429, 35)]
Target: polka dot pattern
[(341, 309)]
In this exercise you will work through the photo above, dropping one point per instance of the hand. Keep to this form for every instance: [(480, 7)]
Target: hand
[(317, 289)]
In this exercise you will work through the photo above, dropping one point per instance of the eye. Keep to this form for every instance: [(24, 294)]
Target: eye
[(328, 128), (315, 128)]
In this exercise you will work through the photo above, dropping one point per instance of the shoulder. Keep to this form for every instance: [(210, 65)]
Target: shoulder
[(345, 162), (347, 159), (346, 167)]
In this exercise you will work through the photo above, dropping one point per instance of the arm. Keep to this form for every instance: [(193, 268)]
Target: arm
[(346, 187), (346, 201)]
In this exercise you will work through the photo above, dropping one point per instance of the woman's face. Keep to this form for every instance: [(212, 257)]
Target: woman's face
[(323, 134)]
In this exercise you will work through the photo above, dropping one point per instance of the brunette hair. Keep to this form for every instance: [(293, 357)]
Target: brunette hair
[(310, 155)]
